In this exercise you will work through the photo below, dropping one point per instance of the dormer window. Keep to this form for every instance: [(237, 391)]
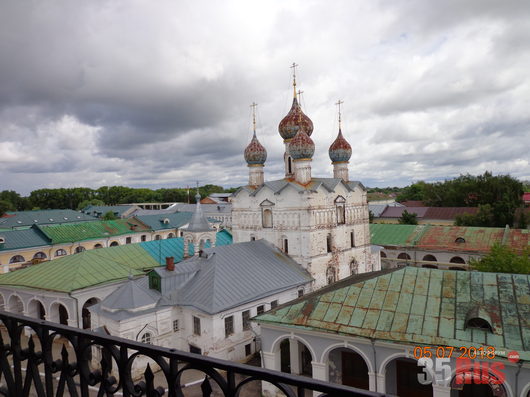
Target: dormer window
[(479, 318), (165, 221), (340, 206), (460, 240)]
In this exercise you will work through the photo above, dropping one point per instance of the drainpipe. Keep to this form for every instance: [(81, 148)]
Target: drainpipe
[(375, 363)]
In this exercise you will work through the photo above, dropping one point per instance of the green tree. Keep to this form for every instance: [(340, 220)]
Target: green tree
[(501, 259), (109, 216), (408, 218), (6, 206), (416, 191), (85, 203), (484, 217)]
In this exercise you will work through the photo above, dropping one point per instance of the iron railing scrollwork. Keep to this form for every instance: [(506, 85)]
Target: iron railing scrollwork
[(33, 363)]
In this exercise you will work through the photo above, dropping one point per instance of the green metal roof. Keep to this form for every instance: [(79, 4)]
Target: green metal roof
[(419, 306), (24, 238), (98, 210), (24, 219), (91, 230), (83, 270), (398, 235), (99, 266)]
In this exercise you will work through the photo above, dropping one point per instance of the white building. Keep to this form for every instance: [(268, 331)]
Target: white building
[(322, 223)]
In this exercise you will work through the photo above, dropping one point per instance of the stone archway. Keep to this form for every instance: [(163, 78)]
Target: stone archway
[(294, 356), (59, 313), (36, 309), (85, 313), (401, 378), (15, 304), (348, 367)]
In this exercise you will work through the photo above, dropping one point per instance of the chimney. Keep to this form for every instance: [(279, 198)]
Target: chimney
[(170, 263)]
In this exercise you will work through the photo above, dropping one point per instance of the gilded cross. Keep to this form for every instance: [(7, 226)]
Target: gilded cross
[(338, 104)]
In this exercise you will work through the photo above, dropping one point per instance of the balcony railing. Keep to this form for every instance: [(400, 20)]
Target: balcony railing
[(91, 363)]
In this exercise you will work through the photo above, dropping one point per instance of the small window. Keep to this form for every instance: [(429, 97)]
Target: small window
[(175, 325), (340, 205), (274, 304), (300, 293), (248, 349), (229, 326), (328, 243), (196, 325), (352, 239), (457, 259), (261, 309), (98, 246), (128, 240), (285, 245), (146, 338), (79, 249), (17, 259), (267, 217), (252, 238), (460, 240), (245, 316), (60, 252), (157, 237), (114, 244), (39, 255), (143, 238), (195, 350)]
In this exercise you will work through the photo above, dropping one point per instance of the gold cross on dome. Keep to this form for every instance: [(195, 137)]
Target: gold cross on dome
[(294, 66)]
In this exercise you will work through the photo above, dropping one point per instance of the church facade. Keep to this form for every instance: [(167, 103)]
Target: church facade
[(322, 223)]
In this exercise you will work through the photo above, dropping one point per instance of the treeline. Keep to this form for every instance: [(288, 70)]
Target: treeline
[(79, 197), (497, 198)]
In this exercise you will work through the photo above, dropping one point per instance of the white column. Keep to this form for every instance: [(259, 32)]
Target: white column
[(372, 381), (381, 386), (270, 361), (294, 356), (319, 372)]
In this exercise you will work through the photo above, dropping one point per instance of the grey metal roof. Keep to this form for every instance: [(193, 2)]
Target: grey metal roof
[(377, 209), (230, 276), (198, 222), (24, 238), (158, 222), (328, 183), (98, 210), (130, 296), (24, 219)]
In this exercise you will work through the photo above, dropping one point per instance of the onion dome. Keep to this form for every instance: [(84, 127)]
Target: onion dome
[(255, 153), (340, 149), (301, 146), (295, 119)]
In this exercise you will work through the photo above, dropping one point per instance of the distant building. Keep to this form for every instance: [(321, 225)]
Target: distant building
[(441, 247), (424, 215), (26, 219)]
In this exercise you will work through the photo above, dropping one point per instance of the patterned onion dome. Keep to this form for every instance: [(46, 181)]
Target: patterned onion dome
[(340, 149), (301, 146), (291, 123), (255, 153)]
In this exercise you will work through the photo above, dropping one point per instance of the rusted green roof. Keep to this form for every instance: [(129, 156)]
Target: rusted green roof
[(91, 230), (419, 306)]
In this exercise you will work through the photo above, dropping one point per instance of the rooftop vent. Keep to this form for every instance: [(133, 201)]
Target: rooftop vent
[(478, 318)]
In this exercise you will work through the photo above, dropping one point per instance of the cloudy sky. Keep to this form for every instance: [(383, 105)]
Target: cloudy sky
[(157, 94)]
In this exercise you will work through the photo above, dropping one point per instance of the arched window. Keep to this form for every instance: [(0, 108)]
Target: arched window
[(457, 259), (158, 237), (404, 256), (79, 249), (340, 206), (146, 338), (267, 217), (114, 244), (98, 246), (60, 252), (17, 259), (478, 318), (40, 255), (383, 255), (353, 266), (460, 240), (429, 258), (170, 235), (331, 275)]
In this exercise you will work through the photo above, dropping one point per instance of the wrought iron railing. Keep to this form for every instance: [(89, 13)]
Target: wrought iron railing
[(94, 364)]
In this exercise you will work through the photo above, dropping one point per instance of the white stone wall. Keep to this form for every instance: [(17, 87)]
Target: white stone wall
[(305, 219)]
